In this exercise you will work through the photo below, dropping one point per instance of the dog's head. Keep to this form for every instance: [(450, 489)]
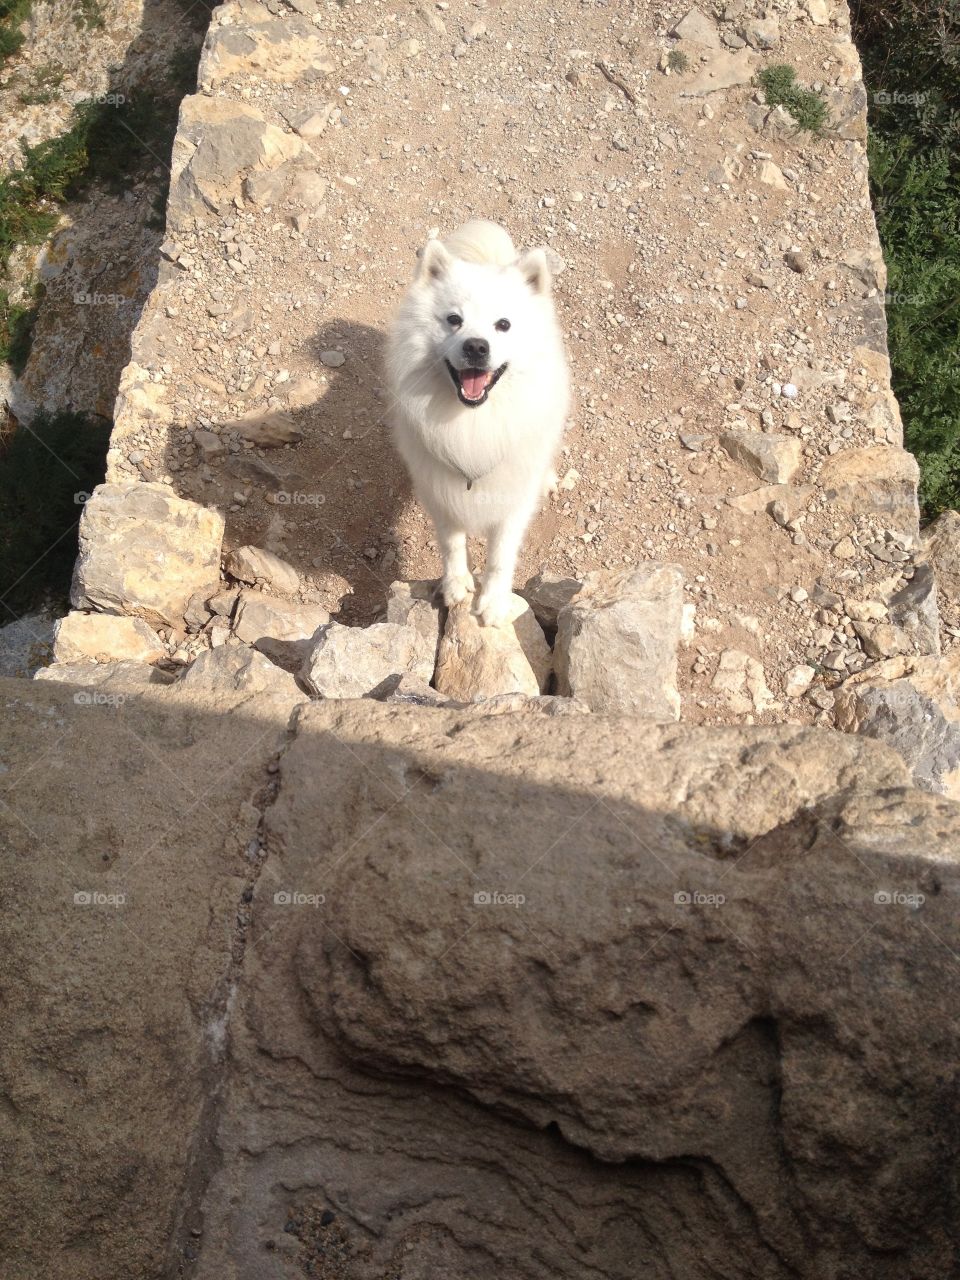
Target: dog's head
[(479, 319)]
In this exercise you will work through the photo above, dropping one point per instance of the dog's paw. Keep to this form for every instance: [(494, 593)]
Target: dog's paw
[(551, 484), (494, 608), (456, 587)]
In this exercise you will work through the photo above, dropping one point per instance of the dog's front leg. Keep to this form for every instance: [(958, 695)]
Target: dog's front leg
[(457, 582), (494, 605)]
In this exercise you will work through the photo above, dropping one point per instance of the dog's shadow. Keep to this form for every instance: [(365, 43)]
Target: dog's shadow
[(328, 502)]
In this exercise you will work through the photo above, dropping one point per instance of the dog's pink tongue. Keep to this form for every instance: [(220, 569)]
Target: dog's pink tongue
[(474, 382)]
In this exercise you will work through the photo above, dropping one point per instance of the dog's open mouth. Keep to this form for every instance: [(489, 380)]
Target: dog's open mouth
[(474, 385)]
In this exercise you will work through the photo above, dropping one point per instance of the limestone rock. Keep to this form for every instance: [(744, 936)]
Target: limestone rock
[(547, 593), (698, 29), (144, 551), (785, 502), (281, 629), (105, 637), (941, 540), (128, 869), (771, 175), (765, 875), (218, 140), (410, 689), (224, 678), (913, 705), (617, 641), (415, 604), (262, 568), (268, 429), (880, 479), (741, 680), (723, 71), (914, 609), (761, 33), (112, 679), (351, 662), (479, 662), (525, 704), (798, 680), (775, 459)]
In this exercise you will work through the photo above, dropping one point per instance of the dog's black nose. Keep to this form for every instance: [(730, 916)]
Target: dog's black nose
[(476, 350)]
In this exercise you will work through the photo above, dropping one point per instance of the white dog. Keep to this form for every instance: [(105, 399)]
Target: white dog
[(479, 383)]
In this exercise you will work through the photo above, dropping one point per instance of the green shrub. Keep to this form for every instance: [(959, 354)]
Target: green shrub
[(780, 88), (911, 60), (12, 15), (45, 470)]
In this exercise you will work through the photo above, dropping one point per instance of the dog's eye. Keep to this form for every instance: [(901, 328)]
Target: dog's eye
[(454, 321), (502, 325)]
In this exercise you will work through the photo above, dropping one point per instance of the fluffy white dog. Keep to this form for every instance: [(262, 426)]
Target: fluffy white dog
[(480, 391)]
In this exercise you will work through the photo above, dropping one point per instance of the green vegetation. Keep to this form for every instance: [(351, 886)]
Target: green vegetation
[(911, 59), (780, 88), (42, 87), (12, 15), (88, 14), (46, 470), (16, 327), (677, 60)]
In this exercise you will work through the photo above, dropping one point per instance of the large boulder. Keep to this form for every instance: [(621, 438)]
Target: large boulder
[(662, 991), (618, 638), (144, 551), (476, 662)]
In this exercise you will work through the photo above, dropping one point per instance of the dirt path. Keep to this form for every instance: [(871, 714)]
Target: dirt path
[(721, 274)]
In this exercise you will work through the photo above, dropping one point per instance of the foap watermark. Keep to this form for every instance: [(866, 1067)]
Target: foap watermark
[(285, 499), (694, 898), (294, 898), (897, 98), (100, 299), (93, 898), (494, 898), (895, 898), (81, 497), (97, 698)]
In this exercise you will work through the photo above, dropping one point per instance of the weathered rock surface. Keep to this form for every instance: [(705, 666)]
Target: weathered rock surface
[(481, 662), (144, 551), (112, 678), (942, 542), (221, 679), (879, 479), (763, 876), (126, 856), (617, 641), (415, 604), (913, 705), (258, 567), (281, 629), (350, 662), (547, 593), (105, 637), (774, 459)]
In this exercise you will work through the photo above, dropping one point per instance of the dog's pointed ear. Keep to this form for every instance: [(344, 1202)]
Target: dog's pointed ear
[(534, 268), (434, 261)]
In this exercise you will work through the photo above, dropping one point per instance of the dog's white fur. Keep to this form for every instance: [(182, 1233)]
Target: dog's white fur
[(504, 447)]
